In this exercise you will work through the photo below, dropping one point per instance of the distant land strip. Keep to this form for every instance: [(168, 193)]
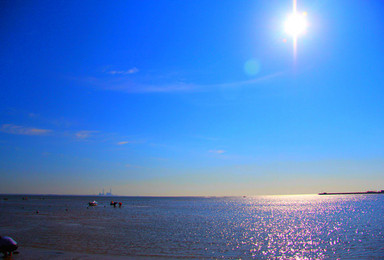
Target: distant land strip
[(348, 193)]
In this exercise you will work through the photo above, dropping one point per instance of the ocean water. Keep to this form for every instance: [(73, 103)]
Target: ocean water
[(268, 227)]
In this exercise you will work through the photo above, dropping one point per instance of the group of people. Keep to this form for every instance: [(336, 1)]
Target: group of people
[(114, 203)]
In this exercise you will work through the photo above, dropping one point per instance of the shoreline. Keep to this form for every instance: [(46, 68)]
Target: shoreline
[(352, 193), (37, 253)]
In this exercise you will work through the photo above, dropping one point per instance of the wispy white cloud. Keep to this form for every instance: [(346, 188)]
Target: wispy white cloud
[(84, 134), (133, 166), (23, 130), (33, 115), (206, 138), (217, 151), (160, 158), (123, 142), (248, 82), (124, 72), (128, 86), (177, 87)]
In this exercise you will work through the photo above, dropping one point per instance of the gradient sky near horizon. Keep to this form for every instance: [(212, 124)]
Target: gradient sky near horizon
[(190, 97)]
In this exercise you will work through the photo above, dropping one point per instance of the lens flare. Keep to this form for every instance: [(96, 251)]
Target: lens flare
[(252, 67)]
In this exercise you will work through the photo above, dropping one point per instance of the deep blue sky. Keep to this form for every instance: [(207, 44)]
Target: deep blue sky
[(154, 97)]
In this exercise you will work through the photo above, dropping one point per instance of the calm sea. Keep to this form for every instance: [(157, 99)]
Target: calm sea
[(305, 227)]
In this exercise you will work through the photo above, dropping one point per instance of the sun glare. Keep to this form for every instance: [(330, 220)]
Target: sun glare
[(296, 24)]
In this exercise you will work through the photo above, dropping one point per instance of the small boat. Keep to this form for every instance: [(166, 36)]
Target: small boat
[(92, 203)]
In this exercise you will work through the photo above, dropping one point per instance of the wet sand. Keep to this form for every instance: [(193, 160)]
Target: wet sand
[(31, 253)]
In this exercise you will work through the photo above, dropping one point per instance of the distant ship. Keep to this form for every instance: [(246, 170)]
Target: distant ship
[(347, 193), (106, 194)]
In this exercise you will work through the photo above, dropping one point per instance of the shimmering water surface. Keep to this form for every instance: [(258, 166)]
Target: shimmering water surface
[(305, 227)]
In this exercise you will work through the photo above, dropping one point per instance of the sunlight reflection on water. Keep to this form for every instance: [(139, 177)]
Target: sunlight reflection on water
[(305, 227)]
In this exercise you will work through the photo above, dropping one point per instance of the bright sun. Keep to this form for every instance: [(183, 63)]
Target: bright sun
[(296, 24)]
